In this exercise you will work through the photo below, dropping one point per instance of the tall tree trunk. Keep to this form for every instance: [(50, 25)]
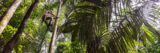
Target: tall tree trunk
[(10, 45), (92, 47), (54, 34), (8, 14)]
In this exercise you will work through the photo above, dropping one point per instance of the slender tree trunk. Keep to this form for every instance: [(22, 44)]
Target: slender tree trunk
[(54, 34), (8, 14), (11, 44)]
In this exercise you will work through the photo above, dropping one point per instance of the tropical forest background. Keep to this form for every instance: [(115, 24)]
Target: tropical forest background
[(83, 26)]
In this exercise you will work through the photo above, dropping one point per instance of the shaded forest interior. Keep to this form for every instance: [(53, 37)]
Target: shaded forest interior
[(79, 26)]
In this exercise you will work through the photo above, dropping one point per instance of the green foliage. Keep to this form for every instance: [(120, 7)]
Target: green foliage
[(71, 47), (4, 4), (64, 48), (94, 19), (102, 26), (8, 33)]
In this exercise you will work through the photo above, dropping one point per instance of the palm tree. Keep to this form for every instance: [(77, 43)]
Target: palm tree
[(106, 26)]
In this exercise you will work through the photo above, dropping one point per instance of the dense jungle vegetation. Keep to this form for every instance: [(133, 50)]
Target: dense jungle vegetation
[(79, 26)]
